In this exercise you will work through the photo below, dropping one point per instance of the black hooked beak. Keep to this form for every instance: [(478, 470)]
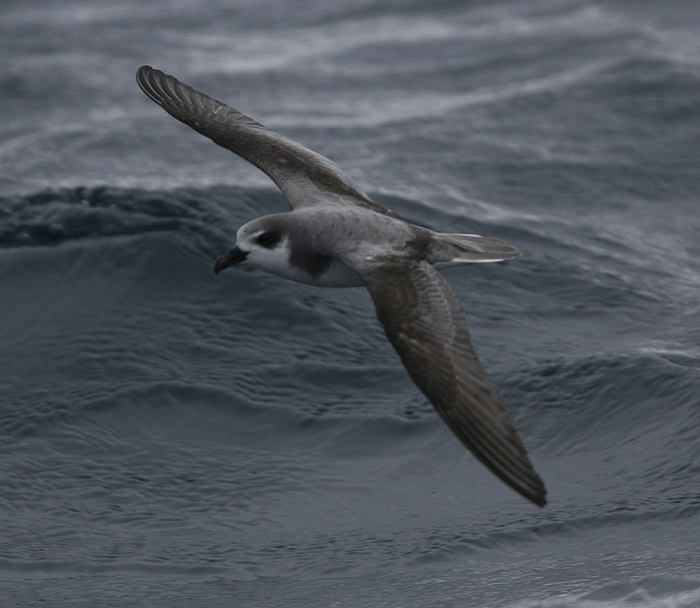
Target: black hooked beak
[(234, 256)]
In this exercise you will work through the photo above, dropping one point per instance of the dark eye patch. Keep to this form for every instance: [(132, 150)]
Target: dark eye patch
[(268, 239)]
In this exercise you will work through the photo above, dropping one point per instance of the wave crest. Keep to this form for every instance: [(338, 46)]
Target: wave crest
[(51, 217)]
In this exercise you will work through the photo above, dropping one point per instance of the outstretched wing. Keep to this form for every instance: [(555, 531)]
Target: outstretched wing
[(425, 322), (305, 177)]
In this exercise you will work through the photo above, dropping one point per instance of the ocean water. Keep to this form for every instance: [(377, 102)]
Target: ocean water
[(173, 438)]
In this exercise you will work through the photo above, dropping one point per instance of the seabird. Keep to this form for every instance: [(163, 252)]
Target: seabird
[(336, 236)]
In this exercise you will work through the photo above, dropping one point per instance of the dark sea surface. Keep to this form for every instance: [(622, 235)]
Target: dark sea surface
[(173, 438)]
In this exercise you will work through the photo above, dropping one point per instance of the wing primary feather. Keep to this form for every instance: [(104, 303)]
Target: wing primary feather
[(305, 177), (426, 325)]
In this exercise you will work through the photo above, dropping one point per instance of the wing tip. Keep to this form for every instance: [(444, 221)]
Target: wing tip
[(525, 482), (176, 97), (144, 69), (532, 487), (147, 79), (540, 498), (528, 484)]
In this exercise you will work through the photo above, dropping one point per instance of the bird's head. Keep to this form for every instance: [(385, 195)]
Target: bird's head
[(262, 242)]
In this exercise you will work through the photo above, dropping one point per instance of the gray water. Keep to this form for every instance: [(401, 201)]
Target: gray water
[(174, 438)]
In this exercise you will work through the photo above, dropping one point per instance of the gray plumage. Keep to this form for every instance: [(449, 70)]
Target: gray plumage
[(336, 236)]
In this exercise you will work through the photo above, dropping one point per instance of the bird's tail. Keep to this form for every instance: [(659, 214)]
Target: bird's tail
[(454, 249)]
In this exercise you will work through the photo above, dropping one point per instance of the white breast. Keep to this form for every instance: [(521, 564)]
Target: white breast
[(276, 261)]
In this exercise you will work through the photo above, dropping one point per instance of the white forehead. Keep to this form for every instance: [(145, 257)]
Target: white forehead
[(249, 229), (257, 226)]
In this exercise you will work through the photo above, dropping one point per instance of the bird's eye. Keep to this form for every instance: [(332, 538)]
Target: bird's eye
[(268, 239)]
